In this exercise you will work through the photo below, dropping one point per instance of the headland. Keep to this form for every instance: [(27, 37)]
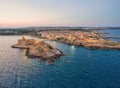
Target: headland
[(38, 49), (87, 39)]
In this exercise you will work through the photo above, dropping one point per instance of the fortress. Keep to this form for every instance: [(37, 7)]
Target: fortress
[(38, 49)]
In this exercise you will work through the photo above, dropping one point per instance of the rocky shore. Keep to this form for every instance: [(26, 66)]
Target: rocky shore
[(88, 40), (38, 49)]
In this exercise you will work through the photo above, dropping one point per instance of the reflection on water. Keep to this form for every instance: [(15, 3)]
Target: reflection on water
[(72, 47), (91, 68), (23, 51)]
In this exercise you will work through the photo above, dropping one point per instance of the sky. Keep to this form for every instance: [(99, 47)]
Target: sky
[(93, 13)]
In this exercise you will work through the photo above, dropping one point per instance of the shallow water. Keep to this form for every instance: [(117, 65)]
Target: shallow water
[(81, 68), (112, 32)]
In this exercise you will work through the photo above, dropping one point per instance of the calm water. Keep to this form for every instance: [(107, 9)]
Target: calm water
[(112, 33), (81, 68)]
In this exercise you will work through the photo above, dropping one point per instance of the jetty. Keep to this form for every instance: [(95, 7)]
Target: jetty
[(38, 49)]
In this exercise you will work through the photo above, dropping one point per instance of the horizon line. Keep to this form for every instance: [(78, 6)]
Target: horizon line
[(63, 27)]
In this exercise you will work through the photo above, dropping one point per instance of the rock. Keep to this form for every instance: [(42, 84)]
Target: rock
[(37, 49)]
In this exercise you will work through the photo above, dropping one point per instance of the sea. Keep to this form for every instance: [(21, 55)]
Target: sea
[(79, 68), (112, 34)]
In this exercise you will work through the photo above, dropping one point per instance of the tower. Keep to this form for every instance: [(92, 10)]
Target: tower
[(23, 37)]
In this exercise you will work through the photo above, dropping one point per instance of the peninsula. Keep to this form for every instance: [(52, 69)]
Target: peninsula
[(87, 39), (38, 49)]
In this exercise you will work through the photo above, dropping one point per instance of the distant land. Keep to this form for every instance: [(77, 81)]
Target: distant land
[(27, 30)]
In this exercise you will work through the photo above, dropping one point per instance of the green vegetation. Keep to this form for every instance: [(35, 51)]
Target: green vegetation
[(111, 43), (14, 31), (40, 49), (59, 39), (49, 47)]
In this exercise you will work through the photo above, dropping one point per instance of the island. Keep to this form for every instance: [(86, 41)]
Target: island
[(38, 49), (87, 39)]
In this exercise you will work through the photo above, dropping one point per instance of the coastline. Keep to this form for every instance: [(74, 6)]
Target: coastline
[(38, 49), (97, 42)]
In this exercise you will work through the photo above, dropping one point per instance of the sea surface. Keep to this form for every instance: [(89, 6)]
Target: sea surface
[(80, 68), (113, 34)]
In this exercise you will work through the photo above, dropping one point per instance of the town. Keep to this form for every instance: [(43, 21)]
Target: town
[(86, 39)]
